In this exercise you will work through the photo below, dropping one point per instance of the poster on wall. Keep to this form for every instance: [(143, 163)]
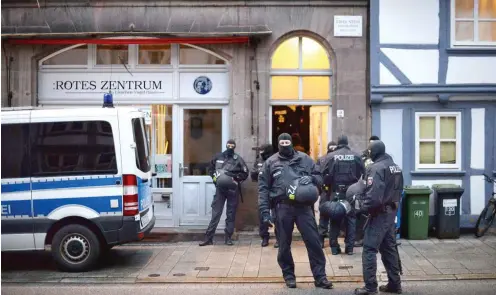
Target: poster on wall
[(347, 26), (81, 85), (163, 166)]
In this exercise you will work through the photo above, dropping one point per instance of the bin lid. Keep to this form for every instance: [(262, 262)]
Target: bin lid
[(417, 190), (448, 188)]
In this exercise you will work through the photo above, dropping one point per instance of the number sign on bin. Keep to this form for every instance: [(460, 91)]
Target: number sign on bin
[(418, 213)]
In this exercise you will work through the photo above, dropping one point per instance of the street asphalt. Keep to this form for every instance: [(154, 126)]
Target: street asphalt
[(438, 288)]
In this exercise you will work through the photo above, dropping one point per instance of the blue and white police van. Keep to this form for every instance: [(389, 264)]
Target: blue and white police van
[(74, 181)]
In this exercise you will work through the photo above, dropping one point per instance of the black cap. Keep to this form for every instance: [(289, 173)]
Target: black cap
[(377, 149), (343, 140)]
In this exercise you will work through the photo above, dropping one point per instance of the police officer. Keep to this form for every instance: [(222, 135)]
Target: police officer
[(342, 168), (324, 220), (227, 170), (360, 219), (290, 179), (266, 151), (382, 195)]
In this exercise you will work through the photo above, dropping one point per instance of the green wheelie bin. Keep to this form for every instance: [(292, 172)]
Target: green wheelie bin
[(417, 212)]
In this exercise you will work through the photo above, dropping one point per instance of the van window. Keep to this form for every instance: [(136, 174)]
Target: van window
[(72, 148), (15, 150), (141, 139)]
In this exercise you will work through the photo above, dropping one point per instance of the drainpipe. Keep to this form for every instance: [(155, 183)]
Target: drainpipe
[(8, 68)]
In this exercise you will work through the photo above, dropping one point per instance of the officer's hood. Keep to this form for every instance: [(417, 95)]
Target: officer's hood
[(377, 149), (266, 151), (358, 188), (342, 142)]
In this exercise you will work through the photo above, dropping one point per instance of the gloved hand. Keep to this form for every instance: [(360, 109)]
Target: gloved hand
[(267, 220), (305, 180)]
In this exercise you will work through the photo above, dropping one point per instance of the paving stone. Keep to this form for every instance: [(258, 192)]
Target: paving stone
[(454, 271), (236, 272), (213, 273)]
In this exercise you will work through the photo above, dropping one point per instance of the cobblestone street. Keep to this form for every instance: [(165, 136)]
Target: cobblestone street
[(247, 261)]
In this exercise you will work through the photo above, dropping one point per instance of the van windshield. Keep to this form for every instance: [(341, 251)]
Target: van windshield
[(141, 139)]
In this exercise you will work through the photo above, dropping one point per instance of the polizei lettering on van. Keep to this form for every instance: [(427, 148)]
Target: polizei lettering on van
[(344, 157)]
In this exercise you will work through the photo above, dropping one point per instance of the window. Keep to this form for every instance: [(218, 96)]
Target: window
[(74, 56), (15, 150), (438, 138), (154, 54), (474, 22), (112, 54), (141, 140), (162, 130), (300, 71), (70, 148), (192, 56)]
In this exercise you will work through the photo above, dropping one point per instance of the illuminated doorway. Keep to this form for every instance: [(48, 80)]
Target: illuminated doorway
[(300, 101)]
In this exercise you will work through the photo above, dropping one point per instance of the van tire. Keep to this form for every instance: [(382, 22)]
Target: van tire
[(75, 248)]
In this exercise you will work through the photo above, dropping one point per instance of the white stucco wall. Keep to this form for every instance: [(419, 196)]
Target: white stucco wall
[(386, 78), (420, 66), (477, 142), (392, 133), (409, 21), (471, 70)]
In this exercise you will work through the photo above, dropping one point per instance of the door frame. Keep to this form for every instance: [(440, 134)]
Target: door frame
[(301, 103), (178, 151)]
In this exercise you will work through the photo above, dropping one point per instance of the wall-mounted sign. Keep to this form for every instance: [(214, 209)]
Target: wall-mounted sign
[(57, 85), (347, 26), (148, 114), (202, 85)]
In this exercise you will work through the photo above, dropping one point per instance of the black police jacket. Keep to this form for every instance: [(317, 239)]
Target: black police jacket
[(278, 173), (342, 167), (257, 168), (233, 165), (384, 185)]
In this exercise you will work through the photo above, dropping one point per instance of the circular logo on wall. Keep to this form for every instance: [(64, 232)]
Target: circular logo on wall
[(202, 85)]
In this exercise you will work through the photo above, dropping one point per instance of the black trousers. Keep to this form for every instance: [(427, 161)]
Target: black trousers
[(303, 216), (350, 225), (379, 236), (220, 198), (323, 220)]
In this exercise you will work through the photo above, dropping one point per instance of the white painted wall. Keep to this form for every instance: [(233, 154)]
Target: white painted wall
[(478, 144), (471, 70), (409, 21), (392, 133), (477, 194), (386, 78), (420, 66), (432, 198)]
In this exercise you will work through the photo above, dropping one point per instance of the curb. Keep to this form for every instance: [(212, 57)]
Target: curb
[(264, 280)]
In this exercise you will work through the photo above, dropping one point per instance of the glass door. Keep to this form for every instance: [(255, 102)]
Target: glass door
[(202, 132)]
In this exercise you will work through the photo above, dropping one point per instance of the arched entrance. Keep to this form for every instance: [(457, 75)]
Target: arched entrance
[(185, 92), (300, 101)]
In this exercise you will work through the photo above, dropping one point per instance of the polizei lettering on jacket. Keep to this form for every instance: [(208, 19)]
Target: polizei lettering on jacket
[(394, 169), (344, 157), (108, 85)]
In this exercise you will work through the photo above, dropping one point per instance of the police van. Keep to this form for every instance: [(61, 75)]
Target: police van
[(74, 181)]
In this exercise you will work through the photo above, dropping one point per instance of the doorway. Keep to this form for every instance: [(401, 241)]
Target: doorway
[(308, 125), (202, 133)]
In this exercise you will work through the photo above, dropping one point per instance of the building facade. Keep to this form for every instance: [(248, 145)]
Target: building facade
[(433, 93), (204, 72)]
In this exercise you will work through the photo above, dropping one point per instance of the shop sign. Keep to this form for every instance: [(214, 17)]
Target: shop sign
[(56, 85), (347, 26)]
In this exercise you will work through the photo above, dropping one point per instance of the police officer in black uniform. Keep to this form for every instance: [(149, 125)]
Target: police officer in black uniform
[(342, 168), (266, 151), (382, 195), (291, 180), (227, 170), (360, 219), (323, 219)]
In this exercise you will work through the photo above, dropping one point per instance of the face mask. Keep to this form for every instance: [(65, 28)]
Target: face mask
[(230, 146), (285, 145)]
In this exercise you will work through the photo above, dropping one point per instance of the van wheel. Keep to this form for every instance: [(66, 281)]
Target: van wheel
[(75, 248)]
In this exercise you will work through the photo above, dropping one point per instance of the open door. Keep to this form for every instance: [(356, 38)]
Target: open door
[(203, 132)]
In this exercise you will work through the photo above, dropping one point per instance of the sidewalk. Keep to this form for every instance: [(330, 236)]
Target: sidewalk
[(248, 262)]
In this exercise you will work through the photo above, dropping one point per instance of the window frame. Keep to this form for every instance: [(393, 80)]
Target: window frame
[(437, 141), (300, 73), (475, 20)]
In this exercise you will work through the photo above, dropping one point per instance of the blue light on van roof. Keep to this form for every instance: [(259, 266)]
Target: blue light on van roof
[(108, 100)]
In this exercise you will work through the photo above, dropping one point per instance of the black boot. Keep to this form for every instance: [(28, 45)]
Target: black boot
[(335, 250), (206, 243), (387, 289), (276, 244), (349, 251), (291, 283), (363, 291), (359, 243), (228, 241), (324, 284), (322, 241), (265, 241)]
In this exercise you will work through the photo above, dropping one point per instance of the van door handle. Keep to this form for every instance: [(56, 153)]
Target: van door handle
[(144, 180)]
